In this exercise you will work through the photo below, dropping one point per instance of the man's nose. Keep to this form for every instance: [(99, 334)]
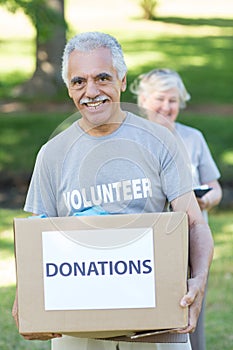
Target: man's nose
[(91, 89)]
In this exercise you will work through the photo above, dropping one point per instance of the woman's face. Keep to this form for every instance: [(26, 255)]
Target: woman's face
[(162, 106)]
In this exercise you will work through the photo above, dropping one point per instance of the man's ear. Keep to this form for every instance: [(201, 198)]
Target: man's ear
[(123, 84), (70, 93)]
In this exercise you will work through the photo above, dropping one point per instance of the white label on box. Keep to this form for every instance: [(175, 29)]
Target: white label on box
[(81, 276)]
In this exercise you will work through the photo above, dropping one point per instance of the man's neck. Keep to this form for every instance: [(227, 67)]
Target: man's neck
[(104, 129)]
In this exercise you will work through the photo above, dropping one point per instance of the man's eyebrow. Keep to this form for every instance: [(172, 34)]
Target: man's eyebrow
[(103, 75), (75, 79)]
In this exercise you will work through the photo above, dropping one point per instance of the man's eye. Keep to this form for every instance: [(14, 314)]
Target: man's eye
[(78, 82), (103, 79)]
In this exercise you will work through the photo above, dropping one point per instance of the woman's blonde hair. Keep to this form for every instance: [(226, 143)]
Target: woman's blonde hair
[(159, 79)]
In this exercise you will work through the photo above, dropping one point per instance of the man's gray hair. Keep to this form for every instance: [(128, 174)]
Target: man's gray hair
[(88, 41)]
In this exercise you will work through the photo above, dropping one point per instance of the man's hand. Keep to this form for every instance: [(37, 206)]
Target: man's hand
[(31, 336), (201, 249), (40, 336), (193, 300)]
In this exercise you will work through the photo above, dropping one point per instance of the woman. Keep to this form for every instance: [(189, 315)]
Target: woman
[(161, 93)]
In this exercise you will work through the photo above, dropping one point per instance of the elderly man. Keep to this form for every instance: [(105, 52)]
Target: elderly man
[(108, 147)]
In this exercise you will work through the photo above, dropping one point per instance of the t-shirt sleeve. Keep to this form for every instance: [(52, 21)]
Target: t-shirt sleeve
[(208, 170), (41, 197)]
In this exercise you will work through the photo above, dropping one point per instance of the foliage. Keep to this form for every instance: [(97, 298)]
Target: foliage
[(41, 13), (148, 7)]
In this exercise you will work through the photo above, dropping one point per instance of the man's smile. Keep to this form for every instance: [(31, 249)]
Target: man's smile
[(94, 103)]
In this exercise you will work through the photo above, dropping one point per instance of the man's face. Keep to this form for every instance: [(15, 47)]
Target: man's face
[(94, 86)]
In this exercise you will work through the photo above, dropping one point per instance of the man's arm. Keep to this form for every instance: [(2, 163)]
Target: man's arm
[(200, 256)]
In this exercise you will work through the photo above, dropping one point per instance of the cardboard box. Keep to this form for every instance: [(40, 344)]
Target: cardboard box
[(101, 276)]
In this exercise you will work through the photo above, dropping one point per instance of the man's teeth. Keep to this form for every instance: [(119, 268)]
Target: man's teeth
[(94, 104)]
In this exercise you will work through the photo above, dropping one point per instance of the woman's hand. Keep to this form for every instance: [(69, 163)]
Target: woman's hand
[(211, 198)]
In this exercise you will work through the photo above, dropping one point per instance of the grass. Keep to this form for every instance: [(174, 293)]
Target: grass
[(10, 339), (219, 308), (12, 73), (202, 62), (219, 300)]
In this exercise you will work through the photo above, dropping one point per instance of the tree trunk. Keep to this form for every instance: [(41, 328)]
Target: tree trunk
[(46, 80)]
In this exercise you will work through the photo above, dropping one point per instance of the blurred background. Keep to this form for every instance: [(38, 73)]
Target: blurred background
[(192, 37)]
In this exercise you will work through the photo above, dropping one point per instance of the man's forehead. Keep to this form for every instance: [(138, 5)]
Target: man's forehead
[(92, 63), (100, 51), (97, 56)]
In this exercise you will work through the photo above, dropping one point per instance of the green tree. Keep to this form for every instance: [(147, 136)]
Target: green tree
[(48, 18)]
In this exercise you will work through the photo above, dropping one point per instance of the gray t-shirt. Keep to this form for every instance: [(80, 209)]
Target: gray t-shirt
[(203, 166), (135, 169)]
